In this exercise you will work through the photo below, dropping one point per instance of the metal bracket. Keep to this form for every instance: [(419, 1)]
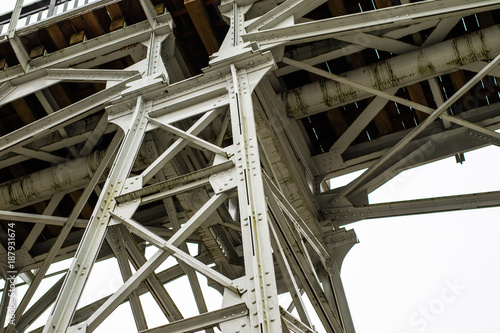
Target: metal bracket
[(224, 180), (80, 328), (484, 137)]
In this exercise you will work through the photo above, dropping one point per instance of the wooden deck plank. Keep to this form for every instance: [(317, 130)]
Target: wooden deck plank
[(199, 15), (57, 36), (114, 11), (417, 95), (93, 24)]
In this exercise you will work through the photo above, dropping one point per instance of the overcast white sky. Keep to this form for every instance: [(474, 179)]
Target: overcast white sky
[(429, 273)]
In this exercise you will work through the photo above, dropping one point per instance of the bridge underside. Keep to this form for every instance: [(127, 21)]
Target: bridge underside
[(213, 132)]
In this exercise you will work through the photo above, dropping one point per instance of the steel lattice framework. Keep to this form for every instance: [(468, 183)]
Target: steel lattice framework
[(155, 154)]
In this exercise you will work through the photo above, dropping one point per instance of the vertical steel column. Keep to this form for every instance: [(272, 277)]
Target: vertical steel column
[(176, 226), (60, 318), (117, 245), (259, 268), (334, 286)]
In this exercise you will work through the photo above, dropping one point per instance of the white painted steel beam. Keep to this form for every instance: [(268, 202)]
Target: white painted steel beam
[(259, 269), (438, 96), (294, 324), (37, 229), (383, 43), (166, 276), (417, 130), (179, 144), (388, 96), (66, 229), (93, 48), (39, 154), (149, 11), (280, 147), (197, 219), (5, 89), (289, 8), (396, 72), (387, 18), (338, 242), (57, 120), (392, 168), (477, 66), (153, 283), (41, 305), (160, 256), (124, 291), (451, 141), (358, 125), (188, 270), (261, 137), (205, 270), (117, 245), (301, 226), (95, 136), (322, 51), (441, 30), (50, 107), (88, 75), (296, 255), (41, 219), (63, 311), (44, 183), (20, 52), (346, 215), (64, 16), (193, 139), (202, 175), (174, 222), (289, 278), (203, 321), (14, 19), (101, 45)]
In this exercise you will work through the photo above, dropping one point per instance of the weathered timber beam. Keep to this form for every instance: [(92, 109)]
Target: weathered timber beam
[(199, 15)]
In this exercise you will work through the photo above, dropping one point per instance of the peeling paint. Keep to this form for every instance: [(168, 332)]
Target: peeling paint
[(327, 98), (425, 65), (44, 183), (297, 106), (466, 49), (397, 71), (343, 93)]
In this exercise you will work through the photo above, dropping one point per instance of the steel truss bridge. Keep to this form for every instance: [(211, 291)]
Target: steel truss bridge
[(134, 124)]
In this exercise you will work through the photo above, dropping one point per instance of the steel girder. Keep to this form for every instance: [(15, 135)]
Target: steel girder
[(252, 204)]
